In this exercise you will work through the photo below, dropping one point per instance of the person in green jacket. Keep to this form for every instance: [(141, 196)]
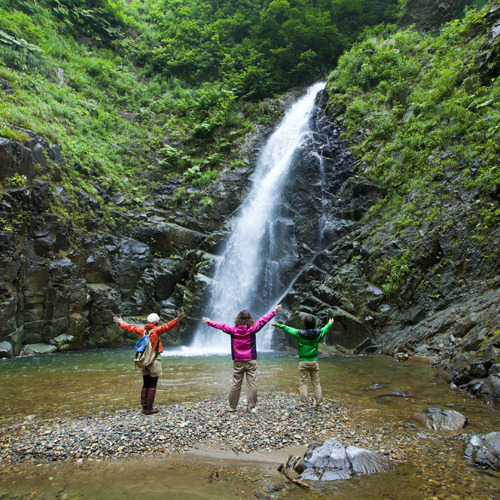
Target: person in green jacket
[(308, 340)]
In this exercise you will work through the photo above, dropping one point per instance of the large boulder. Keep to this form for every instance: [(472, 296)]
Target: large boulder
[(328, 462), (31, 349), (332, 461)]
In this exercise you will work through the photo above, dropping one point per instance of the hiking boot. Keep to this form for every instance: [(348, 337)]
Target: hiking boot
[(149, 402), (144, 399)]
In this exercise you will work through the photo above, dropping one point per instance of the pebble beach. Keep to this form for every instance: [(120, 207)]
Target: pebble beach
[(280, 422)]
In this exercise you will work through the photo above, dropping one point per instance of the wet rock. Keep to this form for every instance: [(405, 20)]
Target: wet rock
[(356, 196), (63, 342), (332, 462), (15, 159), (368, 346), (484, 450), (440, 420), (491, 387), (6, 350), (495, 370), (38, 349), (394, 394)]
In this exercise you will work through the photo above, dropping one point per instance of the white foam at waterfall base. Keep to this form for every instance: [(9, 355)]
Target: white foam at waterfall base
[(234, 285)]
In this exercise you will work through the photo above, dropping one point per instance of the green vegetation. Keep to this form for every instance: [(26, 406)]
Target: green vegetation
[(423, 118), (126, 88)]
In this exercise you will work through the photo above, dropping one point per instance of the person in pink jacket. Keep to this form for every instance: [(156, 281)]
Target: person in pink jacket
[(244, 353)]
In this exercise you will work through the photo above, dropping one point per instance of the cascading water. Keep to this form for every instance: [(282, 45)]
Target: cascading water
[(247, 275)]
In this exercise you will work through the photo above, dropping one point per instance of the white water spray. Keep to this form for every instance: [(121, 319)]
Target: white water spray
[(235, 284)]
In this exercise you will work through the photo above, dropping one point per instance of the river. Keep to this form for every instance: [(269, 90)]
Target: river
[(71, 385)]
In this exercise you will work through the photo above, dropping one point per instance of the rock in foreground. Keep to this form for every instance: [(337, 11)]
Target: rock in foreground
[(332, 461)]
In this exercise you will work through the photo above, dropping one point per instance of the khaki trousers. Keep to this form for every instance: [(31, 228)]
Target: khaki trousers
[(306, 369), (154, 369), (240, 369)]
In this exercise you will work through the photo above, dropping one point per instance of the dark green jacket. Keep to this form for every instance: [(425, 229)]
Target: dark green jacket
[(308, 348)]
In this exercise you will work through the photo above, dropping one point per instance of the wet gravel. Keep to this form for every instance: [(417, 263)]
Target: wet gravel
[(279, 423)]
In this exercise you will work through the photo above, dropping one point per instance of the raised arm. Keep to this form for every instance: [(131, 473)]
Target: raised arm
[(288, 329), (262, 321), (127, 326), (220, 326), (327, 327)]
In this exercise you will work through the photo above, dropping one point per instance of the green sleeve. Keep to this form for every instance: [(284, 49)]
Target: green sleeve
[(325, 329), (288, 329)]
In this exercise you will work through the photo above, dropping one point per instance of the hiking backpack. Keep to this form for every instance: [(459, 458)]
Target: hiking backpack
[(144, 352)]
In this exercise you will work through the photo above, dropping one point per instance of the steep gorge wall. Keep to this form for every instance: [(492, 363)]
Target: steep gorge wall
[(61, 281)]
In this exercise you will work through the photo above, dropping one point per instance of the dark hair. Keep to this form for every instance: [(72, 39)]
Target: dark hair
[(244, 318), (309, 322)]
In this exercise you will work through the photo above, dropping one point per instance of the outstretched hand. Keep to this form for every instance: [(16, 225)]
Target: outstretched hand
[(180, 315), (331, 320), (277, 308), (117, 319), (205, 320), (273, 323)]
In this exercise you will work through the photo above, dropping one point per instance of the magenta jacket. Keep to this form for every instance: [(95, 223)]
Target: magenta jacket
[(243, 342)]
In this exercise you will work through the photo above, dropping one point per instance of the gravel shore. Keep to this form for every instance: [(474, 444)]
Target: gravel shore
[(279, 423)]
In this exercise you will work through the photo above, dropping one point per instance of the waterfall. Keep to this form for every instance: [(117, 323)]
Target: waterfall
[(247, 276)]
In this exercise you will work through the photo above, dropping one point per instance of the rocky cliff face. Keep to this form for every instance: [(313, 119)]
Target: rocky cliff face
[(428, 15), (61, 282)]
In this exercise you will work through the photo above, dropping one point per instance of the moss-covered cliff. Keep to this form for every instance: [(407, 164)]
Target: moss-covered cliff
[(118, 185), (420, 274)]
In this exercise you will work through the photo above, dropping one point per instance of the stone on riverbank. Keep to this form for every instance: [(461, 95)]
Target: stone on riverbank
[(440, 420), (484, 450), (279, 423)]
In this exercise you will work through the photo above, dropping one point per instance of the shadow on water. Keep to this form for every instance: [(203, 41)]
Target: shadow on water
[(78, 384)]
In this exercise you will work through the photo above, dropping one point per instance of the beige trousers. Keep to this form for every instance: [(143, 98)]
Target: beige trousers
[(154, 369), (306, 369), (240, 369)]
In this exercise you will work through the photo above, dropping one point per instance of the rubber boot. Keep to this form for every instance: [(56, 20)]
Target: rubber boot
[(150, 401), (144, 398)]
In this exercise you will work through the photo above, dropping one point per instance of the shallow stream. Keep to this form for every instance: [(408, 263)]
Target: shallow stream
[(80, 384)]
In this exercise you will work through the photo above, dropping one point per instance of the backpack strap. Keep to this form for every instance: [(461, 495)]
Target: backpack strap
[(157, 349)]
